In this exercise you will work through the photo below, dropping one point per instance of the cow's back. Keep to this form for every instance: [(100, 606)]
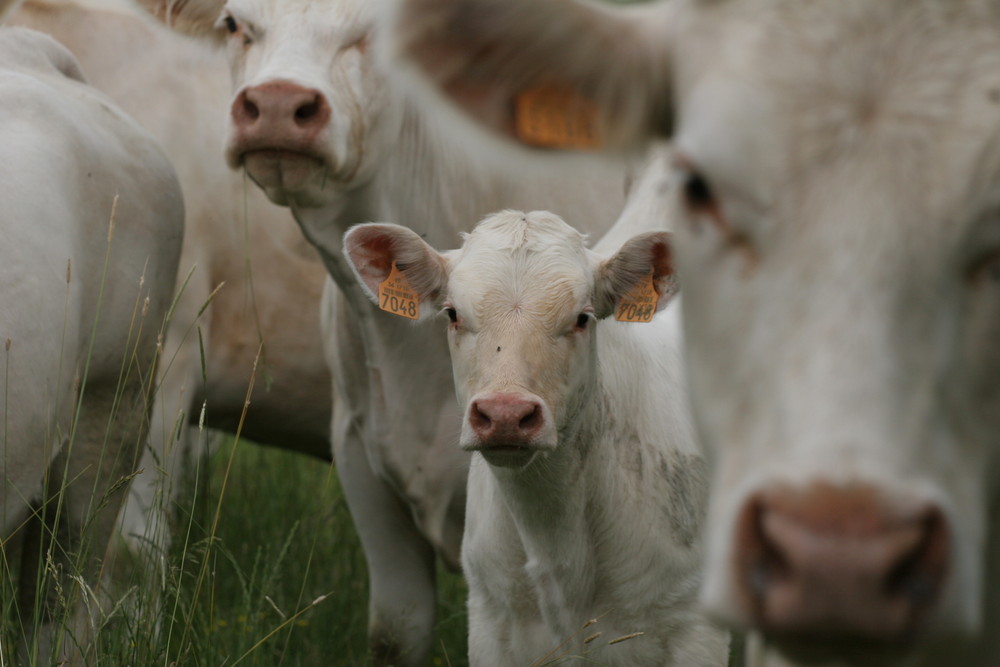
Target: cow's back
[(92, 217), (69, 160)]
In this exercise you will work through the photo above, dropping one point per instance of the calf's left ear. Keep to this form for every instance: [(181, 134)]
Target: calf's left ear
[(638, 280), (391, 260)]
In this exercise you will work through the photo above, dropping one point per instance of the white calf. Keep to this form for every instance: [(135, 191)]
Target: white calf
[(82, 307), (587, 496)]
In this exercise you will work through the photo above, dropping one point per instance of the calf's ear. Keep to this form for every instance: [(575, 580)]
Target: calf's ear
[(556, 75), (191, 17), (638, 280), (380, 251)]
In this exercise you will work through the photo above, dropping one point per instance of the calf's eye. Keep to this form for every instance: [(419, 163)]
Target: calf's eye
[(230, 24), (582, 320), (452, 315)]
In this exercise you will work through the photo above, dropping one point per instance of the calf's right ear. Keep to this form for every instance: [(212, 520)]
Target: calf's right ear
[(638, 278), (376, 251)]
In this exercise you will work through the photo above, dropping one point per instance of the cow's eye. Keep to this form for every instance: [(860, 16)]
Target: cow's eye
[(698, 193), (231, 25), (582, 320), (452, 315)]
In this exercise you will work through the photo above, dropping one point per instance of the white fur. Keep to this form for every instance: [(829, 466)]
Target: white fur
[(602, 520), (270, 279), (847, 331), (83, 306), (377, 160)]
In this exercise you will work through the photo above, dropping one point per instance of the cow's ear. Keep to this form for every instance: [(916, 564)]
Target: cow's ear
[(638, 280), (557, 75), (393, 261), (191, 17)]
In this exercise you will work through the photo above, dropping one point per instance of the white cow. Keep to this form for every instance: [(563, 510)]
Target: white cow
[(92, 219), (588, 494), (316, 124), (271, 278), (839, 246)]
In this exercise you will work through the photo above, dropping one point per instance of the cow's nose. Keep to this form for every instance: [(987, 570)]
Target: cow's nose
[(506, 419), (839, 563), (282, 108)]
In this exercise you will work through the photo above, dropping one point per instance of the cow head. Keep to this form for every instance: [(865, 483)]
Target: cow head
[(521, 296), (309, 106), (838, 237)]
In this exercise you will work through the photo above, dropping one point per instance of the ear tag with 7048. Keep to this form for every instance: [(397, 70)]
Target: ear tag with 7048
[(639, 303), (397, 297)]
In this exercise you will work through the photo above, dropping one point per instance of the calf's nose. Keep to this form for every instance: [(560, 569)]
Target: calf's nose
[(281, 108), (839, 563), (506, 419)]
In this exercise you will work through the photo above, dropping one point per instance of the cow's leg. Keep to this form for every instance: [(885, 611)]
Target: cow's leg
[(401, 562), (86, 486), (145, 522), (487, 631)]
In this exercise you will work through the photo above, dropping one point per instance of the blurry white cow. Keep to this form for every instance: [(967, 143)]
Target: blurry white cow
[(316, 124), (92, 220), (839, 246), (271, 279), (587, 499)]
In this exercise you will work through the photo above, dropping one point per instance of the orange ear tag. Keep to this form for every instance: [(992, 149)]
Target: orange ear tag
[(550, 116), (639, 303), (397, 297)]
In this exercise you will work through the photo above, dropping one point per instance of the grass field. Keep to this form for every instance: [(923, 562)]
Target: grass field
[(282, 582)]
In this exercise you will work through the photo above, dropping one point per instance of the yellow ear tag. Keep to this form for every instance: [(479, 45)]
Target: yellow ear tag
[(397, 297), (639, 303), (550, 116)]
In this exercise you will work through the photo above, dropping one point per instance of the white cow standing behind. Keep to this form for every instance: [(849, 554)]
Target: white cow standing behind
[(839, 244), (269, 279), (81, 308), (587, 496), (316, 122)]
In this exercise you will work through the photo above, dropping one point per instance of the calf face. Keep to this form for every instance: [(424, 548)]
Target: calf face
[(520, 297), (307, 101), (839, 242)]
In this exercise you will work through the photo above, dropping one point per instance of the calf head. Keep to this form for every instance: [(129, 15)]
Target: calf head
[(521, 296), (309, 105), (839, 242)]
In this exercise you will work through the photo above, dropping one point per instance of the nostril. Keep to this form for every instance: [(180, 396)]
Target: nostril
[(250, 110), (307, 111), (918, 572), (478, 419), (767, 562), (531, 421)]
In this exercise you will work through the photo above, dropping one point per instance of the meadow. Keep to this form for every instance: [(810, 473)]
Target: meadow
[(265, 570)]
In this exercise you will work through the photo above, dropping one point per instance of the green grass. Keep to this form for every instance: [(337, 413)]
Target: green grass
[(284, 539), (283, 582)]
